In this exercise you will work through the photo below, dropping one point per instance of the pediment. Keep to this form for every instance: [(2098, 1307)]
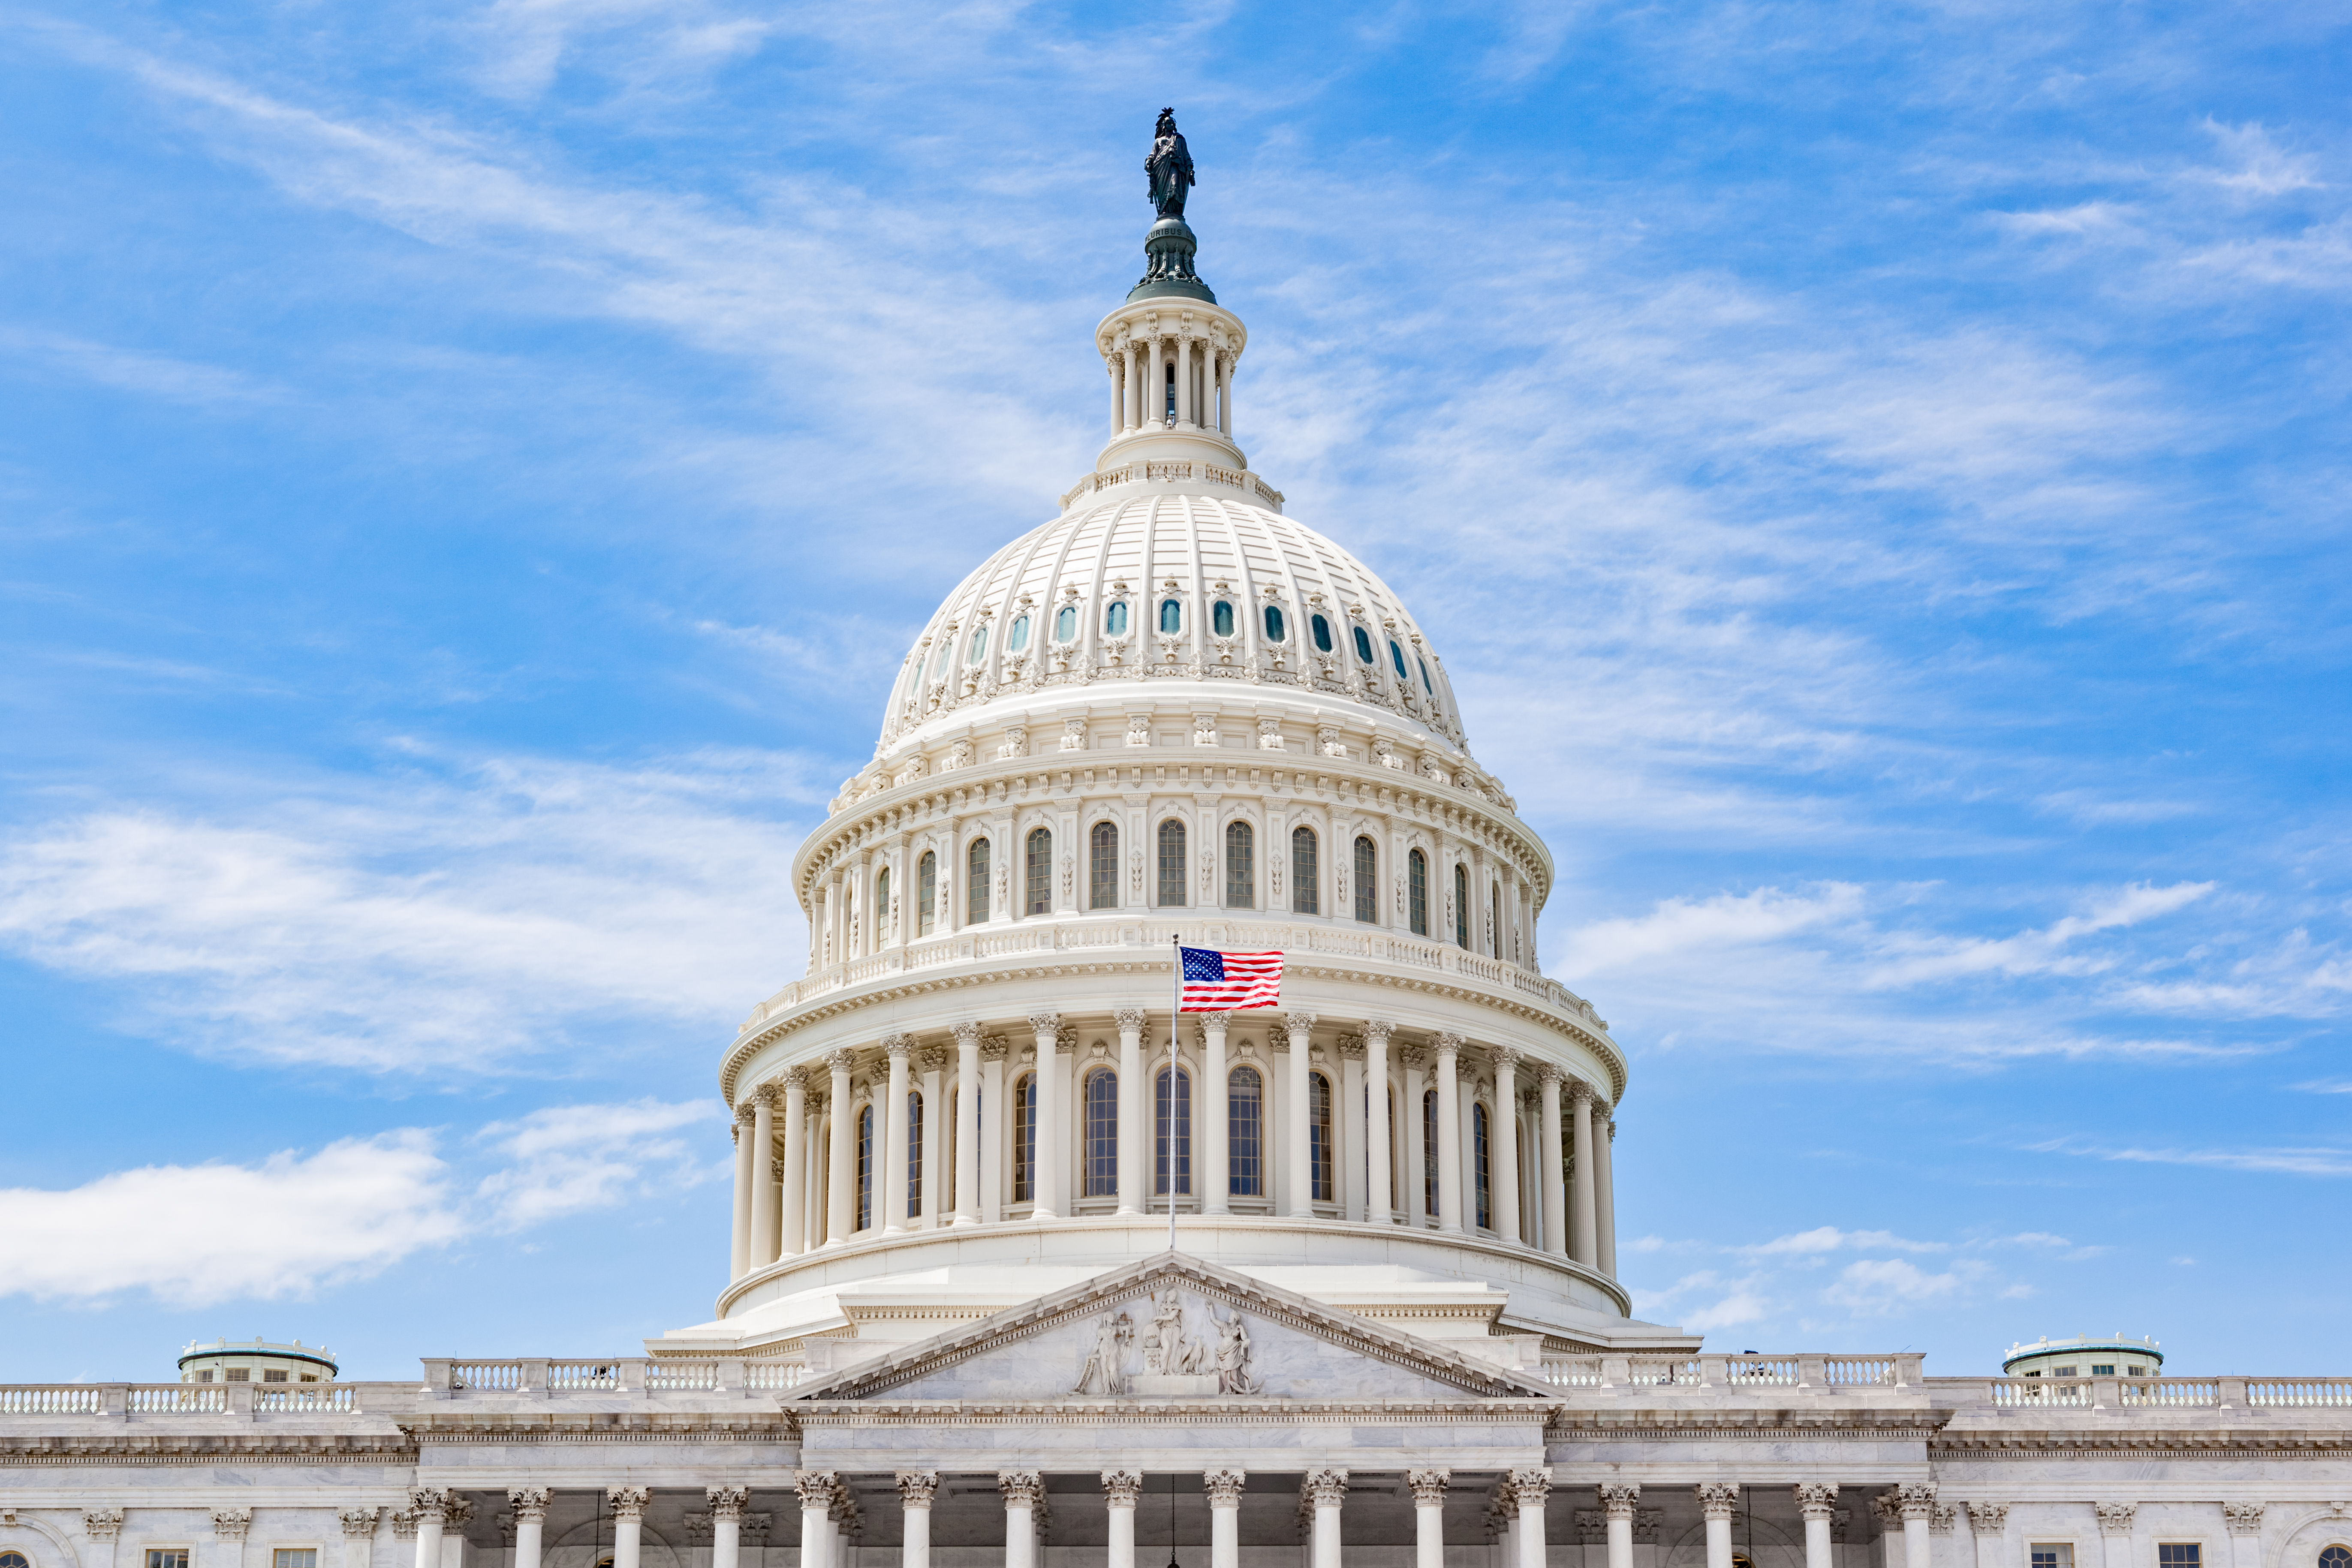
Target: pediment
[(1172, 1327)]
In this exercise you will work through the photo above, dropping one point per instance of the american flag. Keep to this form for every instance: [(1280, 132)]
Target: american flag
[(1217, 981)]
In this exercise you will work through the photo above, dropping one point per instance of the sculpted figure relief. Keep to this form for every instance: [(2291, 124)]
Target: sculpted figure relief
[(1170, 166), (1165, 1351), (1105, 1368), (1233, 1356)]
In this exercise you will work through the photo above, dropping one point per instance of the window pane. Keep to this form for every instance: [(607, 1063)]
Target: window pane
[(1367, 880), (1172, 1141), (1396, 656), (1240, 866), (1322, 630), (1065, 622), (1115, 619), (865, 1167), (1172, 864), (295, 1557), (2177, 1554), (980, 646), (914, 1153), (1171, 617), (1318, 1131), (926, 894), (1102, 1134), (1221, 618), (1364, 647), (1482, 1166), (1304, 894), (1040, 898), (1024, 1140), (1102, 866), (1018, 637), (1428, 1152), (1417, 892), (1245, 1152), (1274, 629), (1426, 686), (976, 897), (1461, 907)]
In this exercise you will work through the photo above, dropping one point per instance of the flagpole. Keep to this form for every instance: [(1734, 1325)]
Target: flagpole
[(1175, 1018)]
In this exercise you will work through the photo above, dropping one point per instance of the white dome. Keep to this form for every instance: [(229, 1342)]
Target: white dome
[(1253, 599)]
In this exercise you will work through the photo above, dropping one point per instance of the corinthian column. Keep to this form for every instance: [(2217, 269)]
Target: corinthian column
[(1449, 1133), (1428, 1516), (1988, 1521), (1414, 1180), (1919, 1505), (1329, 1488), (1529, 1490), (841, 1176), (1380, 1197), (891, 1142), (726, 1525), (431, 1507), (1134, 1136), (1300, 1027), (1214, 1174), (817, 1489), (1051, 1133), (915, 1490), (967, 1192), (935, 1102), (1604, 1197), (1817, 1500), (1718, 1500), (1224, 1491), (1552, 1178), (1184, 414), (529, 1506), (1133, 385), (793, 1239), (764, 1176), (1503, 1149), (1022, 1489), (1120, 1491), (629, 1522), (1581, 1245), (740, 1254), (1617, 1502)]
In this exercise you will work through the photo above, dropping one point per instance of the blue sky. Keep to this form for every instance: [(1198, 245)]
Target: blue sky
[(471, 470)]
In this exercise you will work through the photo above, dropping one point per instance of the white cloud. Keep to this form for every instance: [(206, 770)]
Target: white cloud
[(573, 1157), (1829, 1238), (2032, 952), (1880, 1288), (1678, 928)]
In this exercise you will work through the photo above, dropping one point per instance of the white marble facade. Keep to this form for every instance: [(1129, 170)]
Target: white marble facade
[(955, 1329)]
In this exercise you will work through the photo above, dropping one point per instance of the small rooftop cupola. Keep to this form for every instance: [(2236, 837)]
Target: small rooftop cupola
[(1170, 348), (2086, 1355)]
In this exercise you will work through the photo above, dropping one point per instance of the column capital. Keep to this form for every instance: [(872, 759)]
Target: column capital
[(232, 1524), (1428, 1487), (898, 1048), (2241, 1518), (1300, 1025), (2114, 1518), (1351, 1047), (1719, 1500), (1122, 1489), (529, 1502), (726, 1503), (1916, 1500), (841, 1060), (768, 1093), (1448, 1045), (967, 1035), (1022, 1489), (744, 1113), (1128, 1018), (915, 1488), (933, 1058), (1530, 1487), (1547, 1073), (1225, 1488), (1578, 1091), (816, 1488), (628, 1503), (1377, 1032), (106, 1523), (1045, 1024), (359, 1522), (1617, 1501), (1941, 1518), (1213, 1020), (1509, 1057), (1816, 1499), (797, 1077), (1413, 1058), (1327, 1488), (428, 1503)]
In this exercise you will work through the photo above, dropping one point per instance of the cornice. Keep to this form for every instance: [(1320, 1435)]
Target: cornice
[(211, 1448), (1214, 1413), (2163, 1443)]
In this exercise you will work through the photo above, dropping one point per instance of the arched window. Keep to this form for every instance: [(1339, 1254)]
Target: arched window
[(882, 933), (1173, 1150), (1318, 1134), (1171, 865), (1240, 866), (1461, 907), (1322, 630), (1018, 637), (975, 903), (1304, 899), (1245, 1133), (1275, 628), (865, 1167), (1024, 1138), (926, 894), (914, 1153), (1364, 647), (2336, 1557), (1102, 866), (1221, 619), (1368, 889), (1039, 899), (1494, 919), (1102, 1134), (1483, 1165), (980, 645), (1428, 1152), (1115, 619), (1169, 414), (1171, 617), (1416, 893), (1065, 624)]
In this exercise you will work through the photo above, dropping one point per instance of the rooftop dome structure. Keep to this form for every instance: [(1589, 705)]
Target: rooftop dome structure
[(1170, 711)]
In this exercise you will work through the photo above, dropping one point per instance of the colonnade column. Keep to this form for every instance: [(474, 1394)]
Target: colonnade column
[(1299, 1155), (840, 1177), (1214, 1174), (1919, 1503), (816, 1488), (1617, 1503), (431, 1506), (795, 1236), (935, 1109), (1415, 1181), (1133, 385), (1329, 1488), (992, 1125), (1554, 1186), (1718, 1500), (740, 1253), (1988, 1521), (529, 1507), (1022, 1489), (359, 1536), (1154, 410), (1120, 1491), (1530, 1489), (761, 1250), (1224, 1490), (967, 1142), (1581, 1236), (1051, 1135), (1502, 1149), (1817, 1500), (890, 1142), (1118, 394), (1184, 382), (629, 1522), (1428, 1516), (1225, 391), (1449, 1132), (1380, 1197), (1604, 1199), (1134, 1124), (915, 1490), (726, 1526)]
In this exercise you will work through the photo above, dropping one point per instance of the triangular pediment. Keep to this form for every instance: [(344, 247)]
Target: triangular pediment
[(1172, 1327)]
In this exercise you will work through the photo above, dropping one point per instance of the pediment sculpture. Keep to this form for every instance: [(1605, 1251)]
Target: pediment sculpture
[(1175, 1362)]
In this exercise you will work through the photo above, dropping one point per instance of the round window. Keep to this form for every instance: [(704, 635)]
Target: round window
[(2336, 1557), (1018, 637), (1221, 618), (13, 1560), (1322, 630), (1274, 626), (1115, 620), (1364, 647), (1065, 622)]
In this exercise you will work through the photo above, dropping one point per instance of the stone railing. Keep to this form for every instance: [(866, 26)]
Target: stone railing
[(530, 1377), (224, 1399), (1762, 1374), (1078, 933), (2152, 1393)]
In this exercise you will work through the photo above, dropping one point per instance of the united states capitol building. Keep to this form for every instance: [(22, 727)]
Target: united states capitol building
[(1029, 1270)]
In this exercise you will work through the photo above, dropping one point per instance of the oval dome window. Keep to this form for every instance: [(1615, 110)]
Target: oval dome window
[(980, 646), (1364, 647), (1221, 618), (1275, 630), (1065, 622), (1322, 630), (1115, 620), (1018, 637), (1396, 656), (1171, 617)]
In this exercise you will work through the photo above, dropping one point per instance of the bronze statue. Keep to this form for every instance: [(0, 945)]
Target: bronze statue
[(1170, 166)]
